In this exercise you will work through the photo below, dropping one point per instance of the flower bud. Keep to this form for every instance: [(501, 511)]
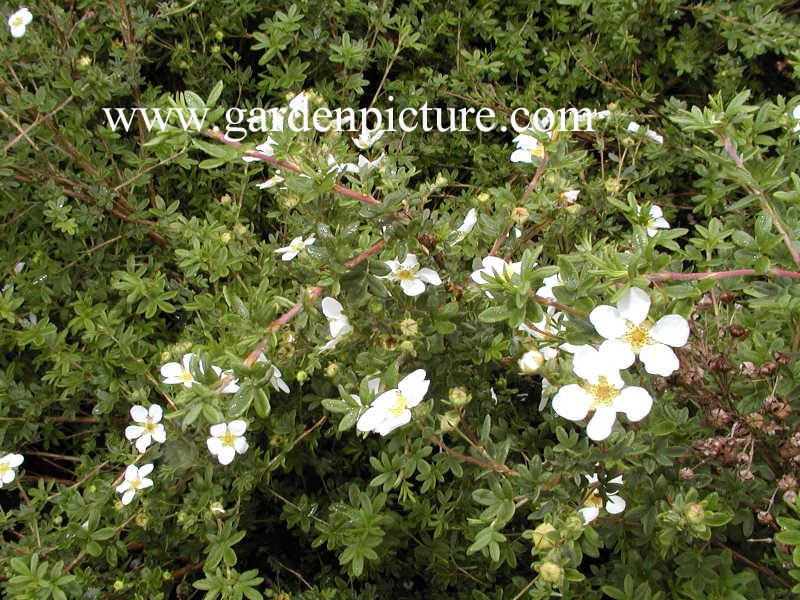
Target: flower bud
[(550, 572), (519, 215), (613, 185), (407, 347), (119, 585), (695, 513), (141, 519), (301, 377), (542, 537), (449, 420), (531, 362), (459, 396), (409, 327), (225, 237), (332, 370)]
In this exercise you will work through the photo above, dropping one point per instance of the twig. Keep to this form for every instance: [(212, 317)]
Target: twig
[(766, 571), (670, 276), (492, 467)]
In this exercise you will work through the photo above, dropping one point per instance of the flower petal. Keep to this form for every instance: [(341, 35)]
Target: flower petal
[(635, 402), (601, 423), (370, 420), (414, 386), (143, 442), (618, 354), (218, 429), (615, 505), (139, 413), (214, 445), (392, 423), (412, 287), (237, 427), (128, 496), (331, 308), (133, 431), (145, 470), (572, 402), (672, 330), (634, 305), (226, 455), (589, 514), (659, 359), (608, 321)]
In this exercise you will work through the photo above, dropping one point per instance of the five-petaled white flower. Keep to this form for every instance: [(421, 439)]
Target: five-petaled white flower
[(655, 220), (412, 279), (628, 333), (275, 376), (18, 21), (135, 479), (295, 247), (498, 269), (175, 373), (149, 429), (528, 149), (8, 464), (604, 394), (338, 323), (227, 440), (367, 138), (391, 409), (613, 504)]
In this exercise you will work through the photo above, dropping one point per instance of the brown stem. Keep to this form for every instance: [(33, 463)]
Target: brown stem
[(492, 467), (670, 276)]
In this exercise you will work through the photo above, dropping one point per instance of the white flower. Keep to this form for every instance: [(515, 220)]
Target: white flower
[(135, 479), (628, 332), (338, 323), (569, 196), (412, 279), (656, 137), (614, 504), (365, 163), (296, 246), (267, 147), (232, 386), (604, 394), (367, 138), (390, 410), (276, 179), (18, 21), (227, 440), (7, 465), (656, 220), (633, 127), (528, 149), (530, 362), (18, 268), (174, 373), (339, 168), (469, 222), (275, 377), (496, 268), (149, 428)]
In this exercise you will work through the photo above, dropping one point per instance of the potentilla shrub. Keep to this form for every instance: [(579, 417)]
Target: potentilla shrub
[(488, 350)]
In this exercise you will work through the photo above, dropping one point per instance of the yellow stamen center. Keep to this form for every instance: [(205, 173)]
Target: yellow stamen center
[(404, 274), (186, 376), (136, 483), (594, 499), (298, 246), (149, 426), (603, 393), (400, 404), (227, 439), (637, 336), (4, 467)]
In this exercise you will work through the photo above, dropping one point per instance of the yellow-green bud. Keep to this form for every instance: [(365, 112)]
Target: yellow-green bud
[(301, 377), (407, 347), (225, 237), (459, 396), (543, 538), (57, 520), (695, 513), (613, 185), (483, 197), (275, 440), (551, 572), (531, 362), (519, 214), (219, 35), (409, 327), (449, 420), (118, 585), (141, 519), (225, 199), (84, 61), (332, 370)]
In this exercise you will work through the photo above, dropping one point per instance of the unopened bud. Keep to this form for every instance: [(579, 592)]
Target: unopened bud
[(332, 370), (409, 327), (531, 362), (459, 396), (550, 572), (449, 420), (519, 215), (695, 513), (686, 474), (543, 538)]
